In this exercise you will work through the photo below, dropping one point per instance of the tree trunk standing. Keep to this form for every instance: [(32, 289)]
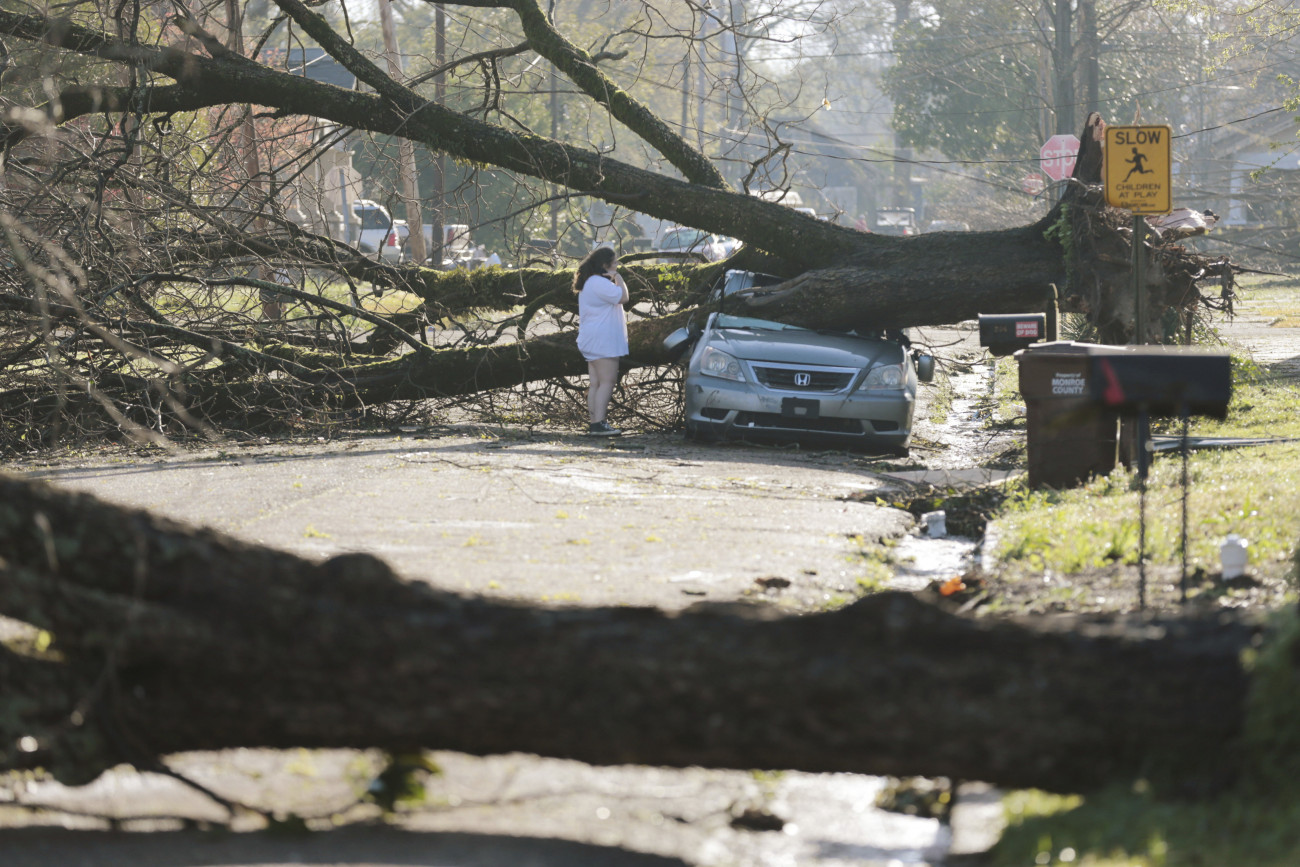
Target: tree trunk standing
[(246, 147), (408, 182), (168, 639)]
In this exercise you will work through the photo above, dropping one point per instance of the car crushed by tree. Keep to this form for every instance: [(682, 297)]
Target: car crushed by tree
[(751, 378)]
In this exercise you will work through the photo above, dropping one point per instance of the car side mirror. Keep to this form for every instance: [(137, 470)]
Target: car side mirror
[(925, 368), (678, 341)]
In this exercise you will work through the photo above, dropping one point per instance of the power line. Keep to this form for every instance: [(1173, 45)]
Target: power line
[(480, 28)]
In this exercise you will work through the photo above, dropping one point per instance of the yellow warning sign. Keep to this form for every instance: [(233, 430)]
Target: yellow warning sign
[(1138, 168)]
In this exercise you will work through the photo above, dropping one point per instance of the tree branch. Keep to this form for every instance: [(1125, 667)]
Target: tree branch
[(167, 638)]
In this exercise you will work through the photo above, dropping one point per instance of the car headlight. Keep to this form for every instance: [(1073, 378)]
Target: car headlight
[(715, 362), (885, 376)]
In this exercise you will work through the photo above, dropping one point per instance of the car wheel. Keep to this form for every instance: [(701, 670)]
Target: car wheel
[(899, 451)]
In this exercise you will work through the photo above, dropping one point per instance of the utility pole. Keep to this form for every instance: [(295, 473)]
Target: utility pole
[(1063, 96), (555, 134), (408, 185), (736, 46), (1091, 48), (686, 91), (439, 159), (902, 154), (701, 79)]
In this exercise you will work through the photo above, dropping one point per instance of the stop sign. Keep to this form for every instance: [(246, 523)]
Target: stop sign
[(1056, 156)]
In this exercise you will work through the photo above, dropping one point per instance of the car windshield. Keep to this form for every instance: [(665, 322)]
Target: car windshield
[(749, 323)]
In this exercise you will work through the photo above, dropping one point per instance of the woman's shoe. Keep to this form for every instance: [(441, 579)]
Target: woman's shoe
[(602, 429)]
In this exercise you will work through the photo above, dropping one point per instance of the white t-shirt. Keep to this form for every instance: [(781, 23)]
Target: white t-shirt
[(602, 327)]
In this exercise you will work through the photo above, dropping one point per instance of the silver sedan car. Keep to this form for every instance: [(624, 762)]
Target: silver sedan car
[(752, 378)]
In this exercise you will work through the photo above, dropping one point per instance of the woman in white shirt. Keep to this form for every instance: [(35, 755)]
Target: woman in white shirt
[(602, 331)]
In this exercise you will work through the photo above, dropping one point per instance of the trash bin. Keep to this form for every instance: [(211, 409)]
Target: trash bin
[(1068, 437)]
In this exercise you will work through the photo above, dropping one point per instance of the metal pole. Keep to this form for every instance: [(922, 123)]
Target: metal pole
[(1143, 436), (1182, 582), (1139, 285)]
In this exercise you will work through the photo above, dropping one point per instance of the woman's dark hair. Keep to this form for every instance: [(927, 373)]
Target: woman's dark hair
[(597, 262)]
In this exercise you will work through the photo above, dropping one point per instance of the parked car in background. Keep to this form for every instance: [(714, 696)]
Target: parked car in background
[(751, 378), (381, 236), (685, 243), (896, 221), (947, 226)]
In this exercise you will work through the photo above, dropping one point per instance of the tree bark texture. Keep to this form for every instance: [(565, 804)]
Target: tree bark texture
[(167, 638)]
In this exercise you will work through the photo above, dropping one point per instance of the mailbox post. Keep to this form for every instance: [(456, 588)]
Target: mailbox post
[(1141, 381)]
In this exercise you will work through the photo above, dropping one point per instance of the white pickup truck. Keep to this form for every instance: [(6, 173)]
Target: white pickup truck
[(381, 236)]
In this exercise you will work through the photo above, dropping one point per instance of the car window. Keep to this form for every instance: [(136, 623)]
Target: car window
[(683, 238), (373, 218), (737, 281)]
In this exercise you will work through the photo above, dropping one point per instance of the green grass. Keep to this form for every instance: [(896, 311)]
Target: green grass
[(1251, 491), (1272, 297), (1135, 828)]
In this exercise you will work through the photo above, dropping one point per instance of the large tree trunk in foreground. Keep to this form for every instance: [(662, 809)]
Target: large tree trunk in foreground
[(167, 638)]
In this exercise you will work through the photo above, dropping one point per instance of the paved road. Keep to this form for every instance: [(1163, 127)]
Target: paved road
[(646, 520)]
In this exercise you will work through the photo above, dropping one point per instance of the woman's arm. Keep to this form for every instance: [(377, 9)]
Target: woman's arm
[(618, 281)]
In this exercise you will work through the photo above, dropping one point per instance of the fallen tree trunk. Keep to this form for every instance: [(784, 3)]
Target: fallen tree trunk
[(167, 638)]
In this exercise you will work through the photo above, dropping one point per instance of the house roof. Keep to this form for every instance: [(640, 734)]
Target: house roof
[(312, 63)]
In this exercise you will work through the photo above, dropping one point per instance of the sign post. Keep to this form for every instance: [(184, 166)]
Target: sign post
[(1138, 178)]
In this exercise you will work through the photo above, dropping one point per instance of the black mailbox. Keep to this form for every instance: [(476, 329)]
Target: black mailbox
[(1161, 380), (1003, 334)]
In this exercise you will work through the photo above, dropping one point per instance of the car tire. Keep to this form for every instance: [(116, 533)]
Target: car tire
[(700, 433)]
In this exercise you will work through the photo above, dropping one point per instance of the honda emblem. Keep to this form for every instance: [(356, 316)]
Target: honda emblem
[(802, 379)]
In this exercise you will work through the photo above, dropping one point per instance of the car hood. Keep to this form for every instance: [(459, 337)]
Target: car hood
[(806, 347)]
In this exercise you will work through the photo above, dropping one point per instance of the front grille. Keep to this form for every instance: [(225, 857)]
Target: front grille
[(775, 421), (784, 378)]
